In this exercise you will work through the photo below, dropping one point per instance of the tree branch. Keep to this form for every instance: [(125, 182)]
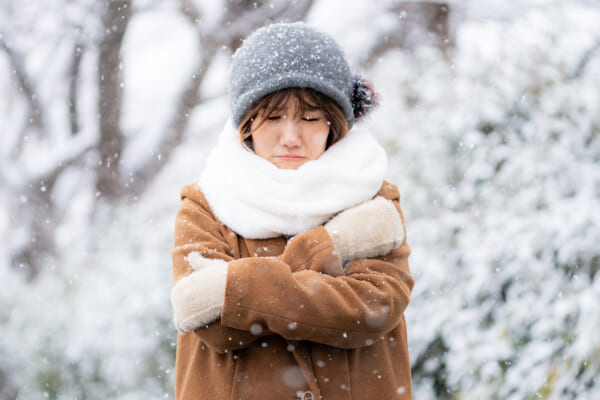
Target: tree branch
[(585, 60), (35, 115), (39, 213), (74, 70), (420, 22)]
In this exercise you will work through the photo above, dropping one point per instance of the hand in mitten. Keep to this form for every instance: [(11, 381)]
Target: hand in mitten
[(198, 298), (370, 229)]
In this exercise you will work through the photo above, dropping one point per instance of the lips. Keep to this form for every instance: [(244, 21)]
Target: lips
[(290, 157)]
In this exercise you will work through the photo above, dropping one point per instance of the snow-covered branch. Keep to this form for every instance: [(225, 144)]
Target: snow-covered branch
[(35, 121)]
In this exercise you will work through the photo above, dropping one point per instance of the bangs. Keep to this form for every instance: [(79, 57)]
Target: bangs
[(307, 100)]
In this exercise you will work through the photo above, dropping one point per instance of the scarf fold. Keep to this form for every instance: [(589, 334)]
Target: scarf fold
[(258, 200)]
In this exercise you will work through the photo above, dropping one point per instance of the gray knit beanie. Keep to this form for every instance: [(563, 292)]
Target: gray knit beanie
[(286, 55)]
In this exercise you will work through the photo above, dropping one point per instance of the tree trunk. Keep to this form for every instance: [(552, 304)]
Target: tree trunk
[(115, 19)]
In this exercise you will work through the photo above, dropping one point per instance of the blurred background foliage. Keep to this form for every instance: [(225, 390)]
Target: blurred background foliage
[(491, 120)]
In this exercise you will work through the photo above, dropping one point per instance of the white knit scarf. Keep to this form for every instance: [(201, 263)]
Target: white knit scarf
[(258, 200)]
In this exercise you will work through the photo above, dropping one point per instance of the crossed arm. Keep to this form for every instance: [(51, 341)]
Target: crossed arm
[(304, 294)]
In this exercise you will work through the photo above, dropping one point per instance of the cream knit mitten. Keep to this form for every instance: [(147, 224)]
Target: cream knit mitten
[(370, 229), (198, 298)]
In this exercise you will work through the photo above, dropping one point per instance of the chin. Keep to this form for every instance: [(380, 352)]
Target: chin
[(289, 165)]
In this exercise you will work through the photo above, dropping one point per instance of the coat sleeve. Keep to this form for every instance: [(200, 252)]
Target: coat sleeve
[(293, 296), (197, 230)]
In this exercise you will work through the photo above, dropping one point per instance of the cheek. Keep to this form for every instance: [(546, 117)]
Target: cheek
[(262, 142), (319, 140)]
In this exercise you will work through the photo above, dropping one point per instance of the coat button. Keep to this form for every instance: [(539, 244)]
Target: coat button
[(308, 395)]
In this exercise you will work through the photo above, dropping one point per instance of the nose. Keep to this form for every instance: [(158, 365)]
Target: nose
[(290, 133)]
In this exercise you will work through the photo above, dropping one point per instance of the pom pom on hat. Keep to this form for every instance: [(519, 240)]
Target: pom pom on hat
[(364, 98)]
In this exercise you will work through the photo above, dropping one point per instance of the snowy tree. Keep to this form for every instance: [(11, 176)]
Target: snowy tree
[(490, 118), (65, 119)]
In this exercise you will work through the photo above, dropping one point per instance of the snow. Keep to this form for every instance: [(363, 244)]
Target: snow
[(495, 152)]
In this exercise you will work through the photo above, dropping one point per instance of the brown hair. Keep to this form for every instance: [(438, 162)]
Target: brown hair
[(307, 99)]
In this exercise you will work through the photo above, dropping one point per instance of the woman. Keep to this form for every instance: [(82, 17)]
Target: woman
[(290, 258)]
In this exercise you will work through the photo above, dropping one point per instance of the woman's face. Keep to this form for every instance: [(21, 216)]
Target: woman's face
[(288, 139)]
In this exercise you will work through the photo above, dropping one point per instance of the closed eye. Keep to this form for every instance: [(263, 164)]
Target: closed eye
[(309, 119), (273, 117)]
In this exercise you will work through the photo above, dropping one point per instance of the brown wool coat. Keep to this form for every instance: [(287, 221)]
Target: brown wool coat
[(295, 323)]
